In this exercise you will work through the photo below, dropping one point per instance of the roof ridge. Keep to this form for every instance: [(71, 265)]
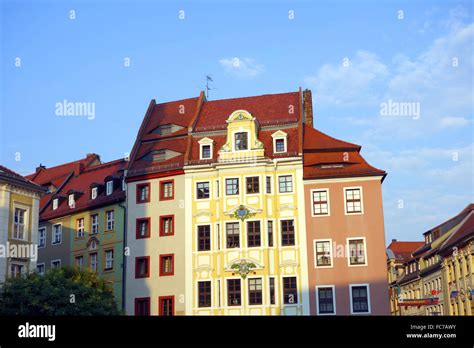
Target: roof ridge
[(252, 96), (67, 163)]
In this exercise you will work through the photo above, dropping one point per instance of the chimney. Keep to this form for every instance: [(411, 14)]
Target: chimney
[(308, 107), (40, 167), (394, 240)]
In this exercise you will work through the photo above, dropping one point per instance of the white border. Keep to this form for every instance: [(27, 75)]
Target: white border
[(349, 255), (361, 200), (312, 202), (330, 252), (368, 298), (333, 299)]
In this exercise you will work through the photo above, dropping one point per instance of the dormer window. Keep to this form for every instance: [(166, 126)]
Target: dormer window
[(71, 201), (109, 188), (206, 151), (55, 203), (159, 156), (165, 129), (206, 146), (241, 141), (94, 192), (280, 142)]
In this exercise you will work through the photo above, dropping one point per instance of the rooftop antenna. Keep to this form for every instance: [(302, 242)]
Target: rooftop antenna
[(208, 78)]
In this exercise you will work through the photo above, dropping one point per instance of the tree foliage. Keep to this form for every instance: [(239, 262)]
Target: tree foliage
[(61, 291)]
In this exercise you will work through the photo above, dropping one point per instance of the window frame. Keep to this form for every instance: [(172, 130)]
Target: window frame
[(207, 294), (54, 261), (209, 238), (333, 289), (238, 186), (80, 230), (313, 213), (367, 286), (44, 268), (345, 189), (24, 226), (137, 228), (161, 307), (268, 185), (233, 238), (95, 253), (285, 145), (95, 190), (148, 303), (283, 290), (325, 240), (107, 229), (201, 151), (147, 274), (286, 183), (138, 193), (162, 272), (92, 218), (349, 254), (162, 190), (247, 222), (55, 203), (294, 232), (162, 229), (228, 293), (53, 235), (109, 185), (250, 292), (234, 138), (42, 229), (208, 190), (105, 259), (253, 177)]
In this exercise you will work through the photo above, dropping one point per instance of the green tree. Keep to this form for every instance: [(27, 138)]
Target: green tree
[(62, 291)]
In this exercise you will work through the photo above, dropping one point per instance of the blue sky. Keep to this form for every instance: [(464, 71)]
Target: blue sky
[(353, 55)]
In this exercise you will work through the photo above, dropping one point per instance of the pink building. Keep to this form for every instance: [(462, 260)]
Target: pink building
[(345, 226)]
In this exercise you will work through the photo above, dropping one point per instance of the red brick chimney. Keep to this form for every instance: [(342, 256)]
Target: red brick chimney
[(308, 107)]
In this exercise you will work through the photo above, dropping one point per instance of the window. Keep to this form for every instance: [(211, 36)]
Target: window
[(109, 187), (55, 263), (253, 234), (94, 192), (290, 293), (204, 238), (217, 189), (94, 224), (253, 185), (19, 224), (166, 265), (232, 186), (143, 228), (143, 193), (110, 217), (232, 235), (71, 201), (269, 184), (320, 202), (206, 151), (93, 262), (166, 306), (233, 292), (142, 306), (255, 291), (158, 156), (80, 228), (165, 129), (322, 251), (360, 299), (55, 203), (40, 268), (166, 190), (325, 300), (285, 183), (353, 198), (79, 262), (109, 260), (270, 233), (287, 232), (202, 190), (167, 225), (204, 294), (241, 141), (41, 237), (272, 290), (142, 267), (124, 184), (16, 270), (57, 234), (280, 145), (357, 251)]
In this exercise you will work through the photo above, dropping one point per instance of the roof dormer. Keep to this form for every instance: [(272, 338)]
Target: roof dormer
[(166, 129)]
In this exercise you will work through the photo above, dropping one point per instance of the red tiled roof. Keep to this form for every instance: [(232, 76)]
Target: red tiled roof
[(82, 183), (13, 177), (268, 109), (327, 157), (403, 250), (465, 231)]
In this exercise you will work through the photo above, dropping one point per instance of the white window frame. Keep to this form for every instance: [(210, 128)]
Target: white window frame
[(107, 260), (111, 221), (361, 200), (292, 184), (40, 230), (53, 234), (80, 230), (312, 203), (94, 192), (55, 203), (201, 152), (55, 260), (21, 267), (96, 262), (109, 187), (285, 148), (333, 299), (271, 185), (247, 283), (25, 224), (79, 257), (44, 268), (226, 293), (92, 224), (367, 285), (238, 185), (330, 252), (234, 143), (240, 235), (210, 190), (71, 201), (349, 255)]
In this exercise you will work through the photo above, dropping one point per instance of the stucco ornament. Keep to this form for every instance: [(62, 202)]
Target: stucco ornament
[(243, 213), (243, 268)]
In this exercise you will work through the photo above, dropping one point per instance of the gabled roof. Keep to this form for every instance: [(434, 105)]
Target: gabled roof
[(81, 184), (463, 233), (403, 250), (11, 177), (327, 157)]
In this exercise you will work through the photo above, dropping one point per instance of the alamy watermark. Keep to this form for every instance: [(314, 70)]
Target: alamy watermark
[(68, 108), (402, 109), (22, 251)]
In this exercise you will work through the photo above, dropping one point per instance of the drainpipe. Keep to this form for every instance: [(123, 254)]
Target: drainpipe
[(124, 260)]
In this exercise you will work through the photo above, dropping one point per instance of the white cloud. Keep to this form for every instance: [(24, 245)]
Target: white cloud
[(452, 122), (242, 67)]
